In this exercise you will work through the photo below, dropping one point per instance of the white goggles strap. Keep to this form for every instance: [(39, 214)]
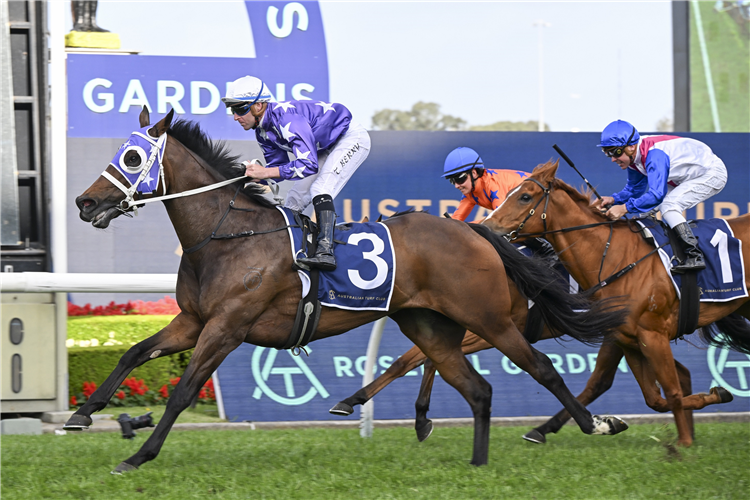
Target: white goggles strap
[(159, 149)]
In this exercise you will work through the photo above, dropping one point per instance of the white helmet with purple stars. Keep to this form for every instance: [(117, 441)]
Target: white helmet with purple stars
[(246, 91)]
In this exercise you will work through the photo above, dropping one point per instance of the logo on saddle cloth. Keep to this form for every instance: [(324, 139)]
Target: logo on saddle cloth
[(365, 264), (724, 277)]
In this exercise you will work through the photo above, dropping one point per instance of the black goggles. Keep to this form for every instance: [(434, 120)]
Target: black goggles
[(458, 178), (241, 109), (616, 152)]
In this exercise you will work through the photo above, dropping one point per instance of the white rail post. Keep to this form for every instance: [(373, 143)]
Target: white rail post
[(368, 409)]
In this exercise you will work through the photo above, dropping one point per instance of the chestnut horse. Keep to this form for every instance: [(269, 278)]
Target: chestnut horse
[(450, 277), (592, 247)]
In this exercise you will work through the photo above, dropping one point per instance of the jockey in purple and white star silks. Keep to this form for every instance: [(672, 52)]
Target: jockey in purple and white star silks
[(326, 144)]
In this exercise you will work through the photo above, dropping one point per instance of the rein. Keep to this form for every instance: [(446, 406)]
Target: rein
[(157, 151), (131, 204), (515, 234), (228, 236)]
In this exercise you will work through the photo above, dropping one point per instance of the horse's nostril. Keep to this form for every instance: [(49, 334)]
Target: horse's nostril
[(85, 203)]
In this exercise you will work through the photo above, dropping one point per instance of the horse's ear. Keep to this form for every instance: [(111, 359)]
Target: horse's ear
[(555, 165), (143, 118), (163, 125), (549, 170)]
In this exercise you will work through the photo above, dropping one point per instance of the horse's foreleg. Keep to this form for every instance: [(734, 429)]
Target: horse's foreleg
[(214, 344), (686, 384), (656, 350), (471, 343), (403, 365), (422, 424), (600, 381), (179, 335)]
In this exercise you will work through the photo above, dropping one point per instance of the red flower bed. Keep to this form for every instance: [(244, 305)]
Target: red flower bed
[(165, 306), (134, 392)]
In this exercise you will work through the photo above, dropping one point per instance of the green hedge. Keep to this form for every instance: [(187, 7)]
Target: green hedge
[(94, 364), (119, 330)]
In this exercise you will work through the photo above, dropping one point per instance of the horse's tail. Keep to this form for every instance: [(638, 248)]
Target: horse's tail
[(585, 320), (730, 332)]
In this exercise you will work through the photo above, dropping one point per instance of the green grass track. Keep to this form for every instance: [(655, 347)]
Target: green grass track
[(332, 464)]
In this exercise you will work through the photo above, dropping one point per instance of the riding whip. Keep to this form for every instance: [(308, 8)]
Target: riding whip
[(565, 157)]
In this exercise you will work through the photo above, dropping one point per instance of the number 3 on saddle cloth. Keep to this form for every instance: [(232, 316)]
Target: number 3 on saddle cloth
[(363, 278), (724, 277)]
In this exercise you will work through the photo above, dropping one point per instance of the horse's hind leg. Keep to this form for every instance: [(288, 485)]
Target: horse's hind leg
[(213, 346), (179, 335), (600, 381), (440, 339), (403, 365), (519, 351)]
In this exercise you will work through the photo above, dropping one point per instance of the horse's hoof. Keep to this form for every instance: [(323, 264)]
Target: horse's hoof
[(341, 409), (608, 425), (724, 395), (77, 423), (123, 468), (425, 431), (535, 436)]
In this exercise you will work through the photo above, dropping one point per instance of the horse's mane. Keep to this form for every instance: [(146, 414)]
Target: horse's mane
[(580, 197), (216, 154)]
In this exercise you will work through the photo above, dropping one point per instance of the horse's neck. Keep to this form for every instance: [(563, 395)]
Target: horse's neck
[(194, 217), (582, 250)]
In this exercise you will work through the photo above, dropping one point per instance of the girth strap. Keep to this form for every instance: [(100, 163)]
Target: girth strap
[(308, 316), (690, 297)]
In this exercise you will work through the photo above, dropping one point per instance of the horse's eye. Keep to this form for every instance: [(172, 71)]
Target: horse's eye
[(525, 198), (133, 160)]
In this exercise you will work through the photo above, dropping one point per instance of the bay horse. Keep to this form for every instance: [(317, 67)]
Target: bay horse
[(472, 343), (592, 246), (451, 276)]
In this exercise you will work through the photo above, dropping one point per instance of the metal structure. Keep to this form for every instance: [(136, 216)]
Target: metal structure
[(681, 65), (25, 155), (34, 356)]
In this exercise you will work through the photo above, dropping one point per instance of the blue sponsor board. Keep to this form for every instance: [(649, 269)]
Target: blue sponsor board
[(261, 384), (107, 92), (403, 169)]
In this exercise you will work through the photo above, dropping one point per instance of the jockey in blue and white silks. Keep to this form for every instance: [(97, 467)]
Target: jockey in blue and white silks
[(665, 172), (327, 147)]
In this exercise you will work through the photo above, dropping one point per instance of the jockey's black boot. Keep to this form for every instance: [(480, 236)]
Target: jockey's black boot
[(693, 257), (326, 215)]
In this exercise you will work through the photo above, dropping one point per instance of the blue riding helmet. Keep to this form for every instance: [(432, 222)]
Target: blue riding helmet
[(461, 160), (619, 133)]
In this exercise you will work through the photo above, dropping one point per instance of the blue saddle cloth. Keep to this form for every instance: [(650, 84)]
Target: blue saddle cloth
[(365, 265), (724, 277)]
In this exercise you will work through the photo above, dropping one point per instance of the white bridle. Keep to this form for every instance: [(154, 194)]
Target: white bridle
[(157, 151)]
